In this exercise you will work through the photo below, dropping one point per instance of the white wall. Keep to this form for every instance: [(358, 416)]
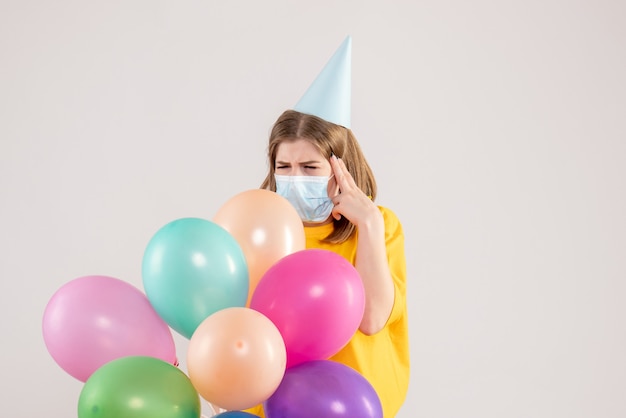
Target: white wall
[(496, 130)]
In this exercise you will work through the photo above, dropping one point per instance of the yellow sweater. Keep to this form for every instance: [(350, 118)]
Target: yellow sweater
[(382, 358)]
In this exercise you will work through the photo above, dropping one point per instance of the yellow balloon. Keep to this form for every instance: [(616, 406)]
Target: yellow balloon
[(236, 358), (267, 228)]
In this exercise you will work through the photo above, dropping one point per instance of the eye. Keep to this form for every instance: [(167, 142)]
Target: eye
[(310, 167), (278, 167)]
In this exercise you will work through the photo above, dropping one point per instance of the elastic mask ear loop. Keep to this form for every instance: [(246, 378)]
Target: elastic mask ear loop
[(336, 185)]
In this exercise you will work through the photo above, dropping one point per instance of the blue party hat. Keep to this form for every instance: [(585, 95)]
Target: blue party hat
[(329, 95)]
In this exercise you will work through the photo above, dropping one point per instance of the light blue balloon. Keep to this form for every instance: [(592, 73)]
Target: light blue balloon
[(191, 269)]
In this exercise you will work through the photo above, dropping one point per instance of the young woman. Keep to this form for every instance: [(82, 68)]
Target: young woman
[(319, 167)]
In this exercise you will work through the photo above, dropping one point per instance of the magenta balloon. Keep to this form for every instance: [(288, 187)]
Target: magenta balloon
[(323, 388), (92, 320), (316, 300)]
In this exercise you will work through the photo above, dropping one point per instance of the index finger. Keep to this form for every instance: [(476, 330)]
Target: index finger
[(342, 175)]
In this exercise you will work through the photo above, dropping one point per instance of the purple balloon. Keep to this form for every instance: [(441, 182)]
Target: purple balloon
[(323, 388)]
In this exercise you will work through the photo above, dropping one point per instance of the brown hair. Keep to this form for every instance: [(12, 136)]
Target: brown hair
[(329, 139)]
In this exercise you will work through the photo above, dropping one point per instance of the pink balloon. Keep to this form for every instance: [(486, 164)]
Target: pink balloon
[(316, 300), (92, 320)]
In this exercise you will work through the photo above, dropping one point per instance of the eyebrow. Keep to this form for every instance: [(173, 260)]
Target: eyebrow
[(300, 163)]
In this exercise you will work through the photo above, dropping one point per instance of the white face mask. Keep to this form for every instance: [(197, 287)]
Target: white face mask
[(308, 194)]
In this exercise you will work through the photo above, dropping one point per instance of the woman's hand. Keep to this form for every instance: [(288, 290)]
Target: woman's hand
[(349, 200)]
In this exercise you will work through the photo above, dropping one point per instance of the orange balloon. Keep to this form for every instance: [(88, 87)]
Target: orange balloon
[(266, 227), (236, 358)]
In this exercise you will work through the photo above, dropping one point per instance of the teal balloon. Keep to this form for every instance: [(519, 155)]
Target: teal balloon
[(191, 269), (138, 387)]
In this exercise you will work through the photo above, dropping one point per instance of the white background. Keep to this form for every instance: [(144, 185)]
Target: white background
[(496, 130)]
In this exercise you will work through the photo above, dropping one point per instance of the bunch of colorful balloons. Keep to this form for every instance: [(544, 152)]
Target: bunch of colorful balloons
[(262, 313)]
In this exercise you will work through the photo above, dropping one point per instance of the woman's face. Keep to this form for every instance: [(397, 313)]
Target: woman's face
[(300, 158)]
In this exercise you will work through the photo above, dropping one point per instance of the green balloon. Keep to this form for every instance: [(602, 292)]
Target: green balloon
[(138, 387), (191, 269)]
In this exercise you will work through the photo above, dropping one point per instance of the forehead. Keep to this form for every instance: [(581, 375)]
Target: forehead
[(298, 150)]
